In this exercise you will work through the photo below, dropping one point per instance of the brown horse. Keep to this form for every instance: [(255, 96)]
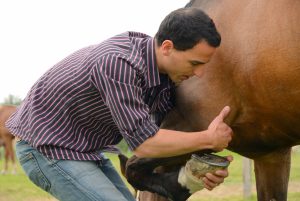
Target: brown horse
[(7, 138), (256, 71)]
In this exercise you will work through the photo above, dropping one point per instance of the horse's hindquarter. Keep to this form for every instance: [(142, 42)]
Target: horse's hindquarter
[(256, 71), (5, 112)]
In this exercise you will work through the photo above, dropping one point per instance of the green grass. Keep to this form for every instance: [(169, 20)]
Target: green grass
[(19, 188)]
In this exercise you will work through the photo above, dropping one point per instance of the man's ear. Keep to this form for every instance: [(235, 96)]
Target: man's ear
[(167, 47)]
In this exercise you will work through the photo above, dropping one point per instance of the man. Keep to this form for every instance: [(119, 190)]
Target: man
[(120, 88)]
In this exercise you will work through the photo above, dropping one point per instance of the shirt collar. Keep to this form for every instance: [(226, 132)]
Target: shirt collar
[(152, 73), (154, 78)]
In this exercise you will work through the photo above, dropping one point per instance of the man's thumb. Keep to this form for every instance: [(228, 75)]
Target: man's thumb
[(224, 113)]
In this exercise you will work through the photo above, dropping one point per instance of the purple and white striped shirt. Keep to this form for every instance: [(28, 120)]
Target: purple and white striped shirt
[(95, 97)]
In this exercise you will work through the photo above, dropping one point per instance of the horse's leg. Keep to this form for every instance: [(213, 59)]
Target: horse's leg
[(14, 165), (11, 155), (141, 174), (140, 195), (6, 158), (149, 164), (148, 196), (272, 175)]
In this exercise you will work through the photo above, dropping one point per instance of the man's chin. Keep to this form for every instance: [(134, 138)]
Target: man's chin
[(177, 83)]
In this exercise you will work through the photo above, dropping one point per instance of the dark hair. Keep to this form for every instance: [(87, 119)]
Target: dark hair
[(186, 27)]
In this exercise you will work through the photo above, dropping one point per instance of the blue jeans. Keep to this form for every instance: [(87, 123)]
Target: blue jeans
[(69, 180)]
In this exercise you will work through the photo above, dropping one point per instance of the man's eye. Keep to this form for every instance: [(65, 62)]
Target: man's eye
[(194, 63)]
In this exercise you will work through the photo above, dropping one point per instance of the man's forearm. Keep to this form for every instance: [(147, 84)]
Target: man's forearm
[(166, 143)]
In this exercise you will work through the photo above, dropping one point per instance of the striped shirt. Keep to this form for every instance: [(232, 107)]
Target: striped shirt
[(95, 97)]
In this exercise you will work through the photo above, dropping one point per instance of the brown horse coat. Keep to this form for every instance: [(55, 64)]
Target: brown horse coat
[(256, 71), (6, 137)]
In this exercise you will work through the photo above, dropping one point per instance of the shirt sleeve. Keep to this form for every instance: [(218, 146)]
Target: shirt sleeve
[(120, 88)]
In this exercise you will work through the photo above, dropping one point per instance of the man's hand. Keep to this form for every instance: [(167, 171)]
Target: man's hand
[(213, 180), (219, 132)]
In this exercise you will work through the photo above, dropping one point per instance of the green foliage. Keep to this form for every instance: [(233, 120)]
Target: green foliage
[(12, 100)]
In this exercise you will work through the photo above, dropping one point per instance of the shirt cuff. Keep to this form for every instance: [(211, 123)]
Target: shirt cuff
[(142, 133)]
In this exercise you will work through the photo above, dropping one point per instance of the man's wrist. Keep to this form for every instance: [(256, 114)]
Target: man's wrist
[(206, 141)]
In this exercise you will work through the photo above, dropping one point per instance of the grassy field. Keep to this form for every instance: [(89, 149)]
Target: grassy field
[(19, 188)]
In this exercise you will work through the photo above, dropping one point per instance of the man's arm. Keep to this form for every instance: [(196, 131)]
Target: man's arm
[(167, 143)]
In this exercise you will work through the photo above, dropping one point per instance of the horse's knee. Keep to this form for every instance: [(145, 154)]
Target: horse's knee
[(135, 178)]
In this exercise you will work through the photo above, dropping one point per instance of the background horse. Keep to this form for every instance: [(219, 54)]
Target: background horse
[(7, 138)]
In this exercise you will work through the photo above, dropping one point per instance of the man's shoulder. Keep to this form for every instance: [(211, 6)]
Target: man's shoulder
[(123, 51), (129, 46), (129, 40), (122, 44), (131, 34)]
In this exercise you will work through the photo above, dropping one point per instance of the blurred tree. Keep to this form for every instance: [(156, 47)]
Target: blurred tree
[(12, 100)]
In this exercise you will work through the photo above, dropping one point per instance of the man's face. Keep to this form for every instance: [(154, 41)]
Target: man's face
[(180, 65)]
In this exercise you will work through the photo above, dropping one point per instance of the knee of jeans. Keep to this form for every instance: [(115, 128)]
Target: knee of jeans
[(33, 170)]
